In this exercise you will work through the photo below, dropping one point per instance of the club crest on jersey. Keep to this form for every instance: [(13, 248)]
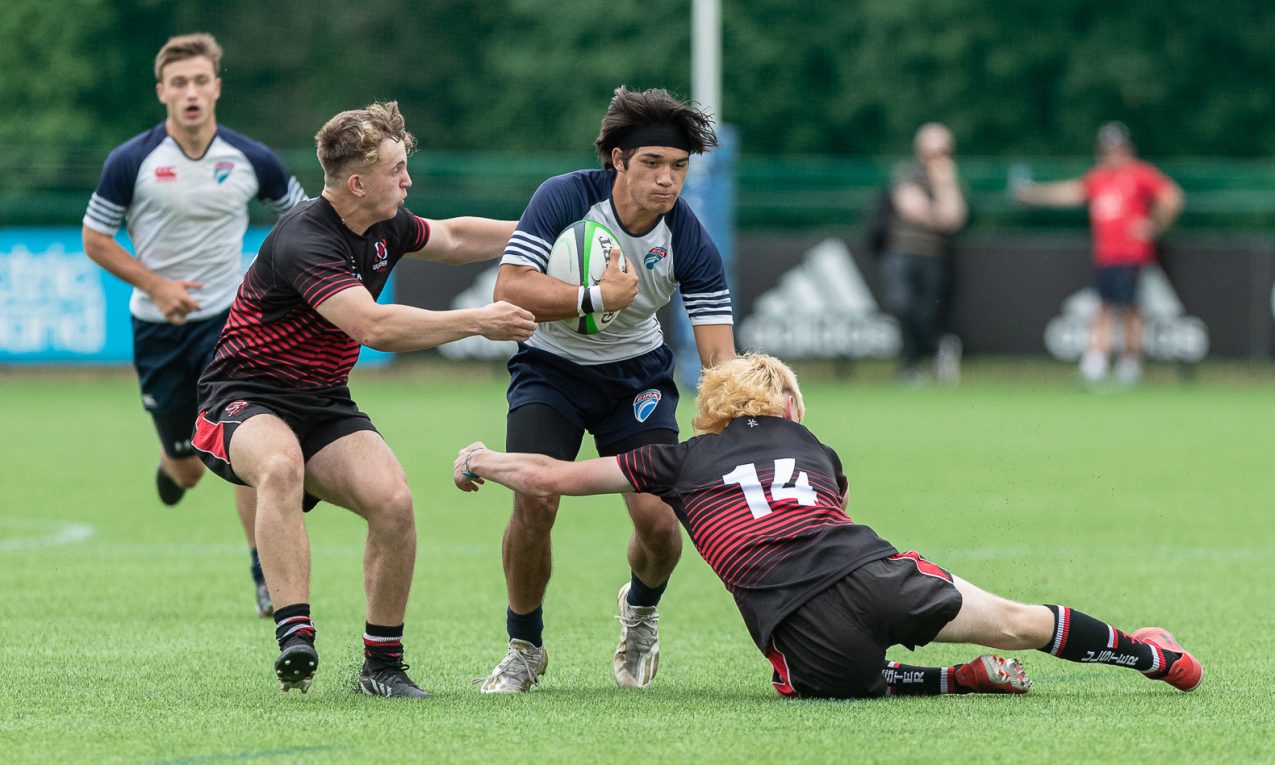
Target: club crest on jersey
[(654, 256), (221, 171), (235, 407), (382, 256), (166, 173), (644, 404)]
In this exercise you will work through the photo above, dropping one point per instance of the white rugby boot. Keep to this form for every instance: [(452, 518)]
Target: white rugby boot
[(1093, 366), (519, 671), (637, 657)]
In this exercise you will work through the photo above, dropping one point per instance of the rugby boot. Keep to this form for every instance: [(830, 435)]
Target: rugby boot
[(637, 657), (296, 664), (388, 679), (519, 671), (265, 609), (1187, 673), (169, 492), (990, 673)]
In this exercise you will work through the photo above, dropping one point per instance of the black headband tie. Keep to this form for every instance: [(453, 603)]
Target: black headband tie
[(655, 135)]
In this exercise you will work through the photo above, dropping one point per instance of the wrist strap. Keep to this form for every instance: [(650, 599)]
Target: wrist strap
[(581, 298), (595, 298), (465, 471)]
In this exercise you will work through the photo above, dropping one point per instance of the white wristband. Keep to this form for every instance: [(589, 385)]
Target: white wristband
[(580, 302), (595, 297)]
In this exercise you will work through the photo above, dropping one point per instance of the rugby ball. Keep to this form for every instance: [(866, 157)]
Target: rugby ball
[(579, 256)]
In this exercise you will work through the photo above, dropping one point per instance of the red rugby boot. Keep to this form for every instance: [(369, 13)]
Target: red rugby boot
[(1186, 673)]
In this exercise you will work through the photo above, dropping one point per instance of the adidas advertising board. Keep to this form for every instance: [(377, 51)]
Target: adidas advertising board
[(821, 307), (806, 296), (1168, 334)]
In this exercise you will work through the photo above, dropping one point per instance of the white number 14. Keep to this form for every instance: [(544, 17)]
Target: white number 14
[(746, 477)]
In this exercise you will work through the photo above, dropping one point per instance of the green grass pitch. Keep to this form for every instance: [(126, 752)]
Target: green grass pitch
[(127, 633)]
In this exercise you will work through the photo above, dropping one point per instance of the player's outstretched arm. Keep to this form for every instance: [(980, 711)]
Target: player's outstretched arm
[(400, 328), (465, 240), (1057, 194), (537, 475)]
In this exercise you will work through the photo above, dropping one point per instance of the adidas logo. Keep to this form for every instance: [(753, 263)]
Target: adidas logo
[(821, 308), (477, 347), (1168, 334)]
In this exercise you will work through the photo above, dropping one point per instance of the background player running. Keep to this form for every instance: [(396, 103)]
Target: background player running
[(184, 187), (823, 597)]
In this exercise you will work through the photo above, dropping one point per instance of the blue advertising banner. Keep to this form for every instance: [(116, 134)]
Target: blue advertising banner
[(59, 307), (710, 191)]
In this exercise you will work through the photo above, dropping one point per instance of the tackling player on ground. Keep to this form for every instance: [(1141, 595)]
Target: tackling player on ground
[(823, 597), (617, 385), (184, 188), (275, 406)]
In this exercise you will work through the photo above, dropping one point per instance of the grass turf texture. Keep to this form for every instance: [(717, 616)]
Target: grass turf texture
[(138, 644)]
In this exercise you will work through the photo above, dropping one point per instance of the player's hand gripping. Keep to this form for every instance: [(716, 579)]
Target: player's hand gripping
[(618, 287), (173, 300), (506, 321), (464, 479)]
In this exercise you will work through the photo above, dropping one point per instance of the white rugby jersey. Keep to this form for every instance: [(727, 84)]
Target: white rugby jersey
[(676, 253), (187, 217)]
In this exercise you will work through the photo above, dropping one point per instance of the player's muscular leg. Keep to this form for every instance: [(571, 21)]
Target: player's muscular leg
[(339, 473), (656, 545), (185, 471), (264, 452), (527, 552), (990, 620), (246, 507)]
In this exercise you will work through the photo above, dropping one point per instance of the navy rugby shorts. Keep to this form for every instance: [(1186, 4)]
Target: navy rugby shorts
[(1117, 285), (617, 402), (169, 359)]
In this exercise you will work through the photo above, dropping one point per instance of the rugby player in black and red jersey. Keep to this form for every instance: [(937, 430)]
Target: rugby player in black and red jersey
[(275, 408), (823, 597)]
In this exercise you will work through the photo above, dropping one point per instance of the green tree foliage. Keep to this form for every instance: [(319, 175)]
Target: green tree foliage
[(800, 77)]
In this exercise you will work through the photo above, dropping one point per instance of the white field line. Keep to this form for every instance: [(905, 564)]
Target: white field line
[(67, 533)]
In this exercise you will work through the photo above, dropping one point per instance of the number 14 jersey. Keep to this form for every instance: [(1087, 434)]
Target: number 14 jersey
[(762, 504)]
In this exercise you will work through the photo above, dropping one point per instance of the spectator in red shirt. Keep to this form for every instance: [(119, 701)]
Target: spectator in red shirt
[(1130, 204)]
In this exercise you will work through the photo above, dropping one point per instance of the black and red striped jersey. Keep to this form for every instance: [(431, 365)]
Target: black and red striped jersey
[(274, 335), (762, 502)]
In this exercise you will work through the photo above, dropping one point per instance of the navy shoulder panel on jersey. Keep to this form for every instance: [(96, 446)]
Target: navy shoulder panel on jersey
[(273, 178), (563, 200), (696, 256), (119, 173)]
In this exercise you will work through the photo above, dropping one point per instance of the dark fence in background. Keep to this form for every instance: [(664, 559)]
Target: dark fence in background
[(806, 295), (797, 193)]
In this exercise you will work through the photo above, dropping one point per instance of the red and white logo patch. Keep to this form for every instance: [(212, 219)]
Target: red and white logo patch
[(382, 256), (166, 173), (234, 407)]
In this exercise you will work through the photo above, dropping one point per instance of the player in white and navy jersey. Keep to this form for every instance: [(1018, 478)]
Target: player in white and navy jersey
[(823, 597), (183, 187), (617, 385)]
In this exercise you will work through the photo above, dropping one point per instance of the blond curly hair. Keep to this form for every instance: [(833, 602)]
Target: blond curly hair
[(750, 385), (354, 138)]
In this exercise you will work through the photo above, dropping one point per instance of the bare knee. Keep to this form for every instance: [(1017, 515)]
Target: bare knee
[(392, 512), (654, 522), (534, 516), (279, 475)]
